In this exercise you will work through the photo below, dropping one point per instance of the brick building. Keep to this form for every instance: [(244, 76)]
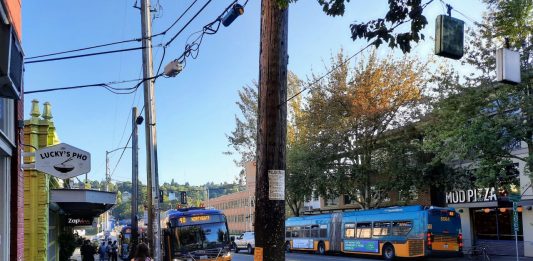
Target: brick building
[(11, 112), (239, 207)]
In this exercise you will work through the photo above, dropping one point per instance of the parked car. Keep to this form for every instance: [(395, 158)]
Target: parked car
[(245, 241)]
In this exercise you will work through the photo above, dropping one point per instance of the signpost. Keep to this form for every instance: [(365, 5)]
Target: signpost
[(515, 198), (63, 161)]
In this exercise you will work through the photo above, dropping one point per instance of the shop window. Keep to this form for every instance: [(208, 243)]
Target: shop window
[(363, 230), (4, 211)]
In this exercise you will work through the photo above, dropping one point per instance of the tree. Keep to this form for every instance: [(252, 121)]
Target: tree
[(352, 111), (482, 122), (380, 30)]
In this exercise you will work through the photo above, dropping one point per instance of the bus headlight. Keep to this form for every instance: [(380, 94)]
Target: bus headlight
[(228, 254)]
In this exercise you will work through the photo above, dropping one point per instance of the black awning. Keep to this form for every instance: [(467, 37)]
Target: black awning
[(83, 202)]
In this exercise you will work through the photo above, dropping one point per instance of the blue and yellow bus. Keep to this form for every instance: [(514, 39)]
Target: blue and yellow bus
[(195, 234), (412, 231)]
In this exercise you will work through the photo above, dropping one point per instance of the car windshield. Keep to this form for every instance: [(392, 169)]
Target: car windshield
[(196, 237)]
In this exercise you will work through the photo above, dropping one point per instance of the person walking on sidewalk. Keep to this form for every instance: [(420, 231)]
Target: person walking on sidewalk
[(102, 251), (142, 253), (114, 251), (87, 251)]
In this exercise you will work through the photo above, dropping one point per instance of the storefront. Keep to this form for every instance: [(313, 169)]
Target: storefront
[(487, 219)]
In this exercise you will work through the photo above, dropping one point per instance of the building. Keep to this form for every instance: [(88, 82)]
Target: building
[(11, 112), (126, 196), (487, 213), (51, 208), (239, 207)]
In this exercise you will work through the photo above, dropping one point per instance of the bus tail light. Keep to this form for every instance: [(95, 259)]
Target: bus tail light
[(460, 241), (430, 240)]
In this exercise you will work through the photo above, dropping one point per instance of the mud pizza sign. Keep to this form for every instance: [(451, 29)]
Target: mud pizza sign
[(63, 161)]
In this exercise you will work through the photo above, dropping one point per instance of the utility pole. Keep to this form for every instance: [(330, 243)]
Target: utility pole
[(271, 133), (134, 179), (154, 226), (107, 181)]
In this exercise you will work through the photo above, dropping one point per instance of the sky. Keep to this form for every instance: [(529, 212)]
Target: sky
[(196, 109)]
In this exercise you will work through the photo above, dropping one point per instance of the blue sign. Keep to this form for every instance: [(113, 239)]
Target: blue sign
[(356, 245)]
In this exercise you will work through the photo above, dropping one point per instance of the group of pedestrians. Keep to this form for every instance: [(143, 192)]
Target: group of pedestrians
[(110, 252)]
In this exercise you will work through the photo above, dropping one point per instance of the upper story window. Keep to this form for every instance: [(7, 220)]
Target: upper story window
[(7, 126)]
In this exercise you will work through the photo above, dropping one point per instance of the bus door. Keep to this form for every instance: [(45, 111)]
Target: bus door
[(444, 231), (335, 232)]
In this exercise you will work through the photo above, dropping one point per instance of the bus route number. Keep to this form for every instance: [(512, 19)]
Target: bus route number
[(445, 219)]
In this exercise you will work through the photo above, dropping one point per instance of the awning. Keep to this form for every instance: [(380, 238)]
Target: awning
[(83, 202)]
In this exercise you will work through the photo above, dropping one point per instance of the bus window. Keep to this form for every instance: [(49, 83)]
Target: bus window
[(288, 232), (307, 231), (381, 228), (314, 231), (296, 232), (364, 230), (323, 230), (401, 228), (349, 230)]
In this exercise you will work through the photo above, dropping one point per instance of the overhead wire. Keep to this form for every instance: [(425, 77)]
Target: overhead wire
[(87, 54)]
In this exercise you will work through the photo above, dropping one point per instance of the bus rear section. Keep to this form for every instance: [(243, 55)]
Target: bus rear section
[(443, 234)]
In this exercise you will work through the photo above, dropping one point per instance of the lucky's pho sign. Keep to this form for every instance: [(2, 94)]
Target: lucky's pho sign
[(63, 161)]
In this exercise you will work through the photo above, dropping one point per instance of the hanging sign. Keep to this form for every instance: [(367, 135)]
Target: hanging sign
[(276, 184), (63, 161)]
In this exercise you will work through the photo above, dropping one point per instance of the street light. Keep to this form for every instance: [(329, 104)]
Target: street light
[(108, 180)]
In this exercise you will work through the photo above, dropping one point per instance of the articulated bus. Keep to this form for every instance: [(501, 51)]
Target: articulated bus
[(195, 234), (412, 231)]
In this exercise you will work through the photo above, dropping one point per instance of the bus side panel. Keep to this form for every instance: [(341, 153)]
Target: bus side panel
[(335, 233)]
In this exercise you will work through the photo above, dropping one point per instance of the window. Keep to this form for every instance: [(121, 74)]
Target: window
[(363, 230), (401, 228), (288, 232), (296, 232), (349, 230), (314, 231), (5, 173), (381, 228), (323, 230), (307, 231), (6, 118), (331, 202)]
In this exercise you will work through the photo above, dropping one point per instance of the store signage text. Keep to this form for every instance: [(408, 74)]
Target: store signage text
[(79, 221), (471, 195)]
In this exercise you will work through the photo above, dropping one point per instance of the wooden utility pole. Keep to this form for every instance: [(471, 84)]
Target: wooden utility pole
[(271, 133), (134, 180)]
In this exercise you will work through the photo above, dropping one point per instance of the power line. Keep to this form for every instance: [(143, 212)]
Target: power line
[(113, 43), (86, 55), (187, 24)]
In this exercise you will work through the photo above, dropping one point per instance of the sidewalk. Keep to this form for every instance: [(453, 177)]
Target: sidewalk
[(77, 256)]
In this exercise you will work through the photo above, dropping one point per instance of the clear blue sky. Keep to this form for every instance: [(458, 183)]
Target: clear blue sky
[(196, 109)]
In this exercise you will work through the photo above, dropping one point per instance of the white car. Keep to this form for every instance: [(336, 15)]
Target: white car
[(245, 241)]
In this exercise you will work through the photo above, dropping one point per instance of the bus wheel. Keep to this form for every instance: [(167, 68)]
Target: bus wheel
[(388, 252), (250, 250), (287, 247), (321, 248)]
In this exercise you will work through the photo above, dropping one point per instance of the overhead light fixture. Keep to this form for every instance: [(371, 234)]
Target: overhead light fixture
[(235, 11)]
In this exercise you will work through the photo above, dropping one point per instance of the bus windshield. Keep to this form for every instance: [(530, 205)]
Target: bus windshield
[(201, 236)]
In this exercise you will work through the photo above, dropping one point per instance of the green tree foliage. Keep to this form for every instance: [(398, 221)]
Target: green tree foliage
[(353, 112), (381, 30), (482, 122)]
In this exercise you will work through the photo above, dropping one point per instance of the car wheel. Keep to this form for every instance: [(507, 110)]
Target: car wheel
[(250, 250), (388, 252), (321, 248)]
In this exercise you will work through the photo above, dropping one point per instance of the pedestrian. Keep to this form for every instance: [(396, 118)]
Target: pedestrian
[(109, 250), (102, 251), (114, 251), (142, 253), (87, 251)]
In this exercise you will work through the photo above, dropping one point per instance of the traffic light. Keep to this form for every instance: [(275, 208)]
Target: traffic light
[(183, 197)]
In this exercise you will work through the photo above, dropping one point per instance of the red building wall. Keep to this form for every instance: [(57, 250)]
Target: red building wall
[(17, 176)]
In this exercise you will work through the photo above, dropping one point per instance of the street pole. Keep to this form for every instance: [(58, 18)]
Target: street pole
[(134, 179), (154, 229), (271, 133), (107, 180)]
